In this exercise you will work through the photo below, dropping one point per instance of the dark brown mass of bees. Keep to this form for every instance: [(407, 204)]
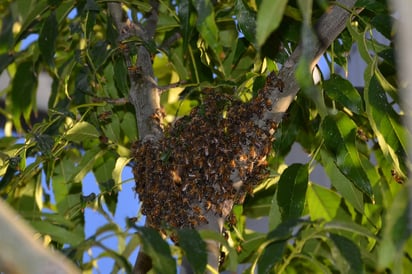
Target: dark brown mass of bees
[(192, 169)]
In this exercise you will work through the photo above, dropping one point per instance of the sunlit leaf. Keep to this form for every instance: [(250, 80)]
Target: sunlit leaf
[(322, 203), (87, 162), (269, 16), (58, 233), (82, 131), (386, 123), (206, 24)]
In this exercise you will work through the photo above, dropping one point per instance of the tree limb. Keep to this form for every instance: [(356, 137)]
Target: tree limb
[(21, 253), (143, 93)]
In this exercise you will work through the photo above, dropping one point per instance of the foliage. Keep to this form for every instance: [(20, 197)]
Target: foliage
[(359, 223)]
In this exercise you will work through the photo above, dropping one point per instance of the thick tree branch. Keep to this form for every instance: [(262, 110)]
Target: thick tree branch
[(143, 93), (328, 27), (20, 253)]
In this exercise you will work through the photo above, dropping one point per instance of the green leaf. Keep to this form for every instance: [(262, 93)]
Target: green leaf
[(272, 254), (5, 60), (397, 230), (252, 241), (32, 18), (339, 133), (23, 93), (66, 193), (121, 162), (269, 16), (120, 76), (47, 38), (58, 233), (82, 131), (342, 91), (158, 250), (342, 184), (276, 241), (350, 253), (260, 204), (322, 203), (246, 19), (354, 228), (87, 162), (386, 123), (206, 24), (103, 171), (292, 191), (194, 248), (274, 213)]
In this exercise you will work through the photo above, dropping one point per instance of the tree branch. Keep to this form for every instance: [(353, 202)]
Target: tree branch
[(143, 93), (20, 253), (328, 27)]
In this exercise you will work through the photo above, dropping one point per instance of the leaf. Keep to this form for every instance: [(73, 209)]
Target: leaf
[(246, 20), (58, 233), (274, 213), (350, 253), (103, 169), (47, 38), (121, 162), (339, 133), (206, 24), (87, 162), (272, 254), (269, 16), (386, 123), (82, 131), (23, 93), (32, 18), (354, 228), (194, 248), (184, 9), (5, 60), (322, 203), (292, 191), (397, 230), (158, 250), (342, 91), (276, 241), (251, 243), (342, 184), (120, 76), (258, 205)]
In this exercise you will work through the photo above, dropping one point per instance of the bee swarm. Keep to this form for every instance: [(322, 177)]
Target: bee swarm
[(198, 164)]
